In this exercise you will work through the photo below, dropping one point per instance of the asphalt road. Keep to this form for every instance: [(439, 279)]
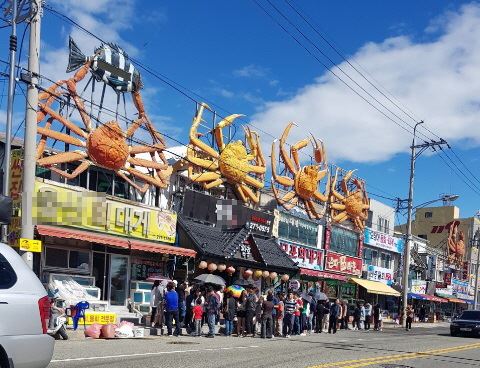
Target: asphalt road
[(392, 348)]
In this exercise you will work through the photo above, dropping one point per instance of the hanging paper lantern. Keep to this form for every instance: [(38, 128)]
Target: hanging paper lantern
[(266, 274), (285, 278), (202, 265), (273, 275), (247, 274), (212, 267), (257, 274), (221, 267), (230, 270)]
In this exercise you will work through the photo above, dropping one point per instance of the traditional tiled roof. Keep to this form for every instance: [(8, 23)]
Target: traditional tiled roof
[(220, 243)]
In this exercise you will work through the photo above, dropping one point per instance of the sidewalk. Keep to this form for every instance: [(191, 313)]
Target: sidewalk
[(417, 325)]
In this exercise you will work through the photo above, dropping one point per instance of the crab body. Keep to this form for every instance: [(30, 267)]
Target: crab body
[(233, 164), (107, 146), (351, 205), (303, 182)]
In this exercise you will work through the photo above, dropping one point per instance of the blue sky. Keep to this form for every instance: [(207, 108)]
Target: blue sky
[(232, 54)]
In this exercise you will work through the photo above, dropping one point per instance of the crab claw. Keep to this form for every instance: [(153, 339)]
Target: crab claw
[(319, 152)]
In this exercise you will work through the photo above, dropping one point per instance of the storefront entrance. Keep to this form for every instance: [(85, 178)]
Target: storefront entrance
[(118, 279)]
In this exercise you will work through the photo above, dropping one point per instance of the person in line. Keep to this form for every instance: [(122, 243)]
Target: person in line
[(346, 318), (155, 298), (311, 316), (304, 312), (280, 312), (182, 296), (362, 317), (376, 316), (422, 313), (229, 311), (211, 306), (343, 313), (258, 315), (251, 309), (290, 307), (267, 317), (197, 314), (297, 314), (189, 321), (241, 314), (326, 316), (171, 309), (410, 316), (334, 314), (320, 312), (368, 316), (356, 317)]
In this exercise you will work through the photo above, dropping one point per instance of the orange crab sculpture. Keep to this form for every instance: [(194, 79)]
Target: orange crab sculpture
[(231, 164), (456, 245), (302, 181), (349, 204), (105, 146)]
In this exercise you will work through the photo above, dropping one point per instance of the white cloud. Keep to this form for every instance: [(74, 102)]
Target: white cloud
[(251, 71), (437, 79)]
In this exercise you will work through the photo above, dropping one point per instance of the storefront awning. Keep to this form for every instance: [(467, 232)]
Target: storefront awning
[(456, 300), (376, 287), (430, 298), (322, 274), (115, 241)]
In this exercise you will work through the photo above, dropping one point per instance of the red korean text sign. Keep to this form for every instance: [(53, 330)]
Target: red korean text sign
[(342, 263)]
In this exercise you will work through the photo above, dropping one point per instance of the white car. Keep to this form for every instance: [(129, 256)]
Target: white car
[(24, 313)]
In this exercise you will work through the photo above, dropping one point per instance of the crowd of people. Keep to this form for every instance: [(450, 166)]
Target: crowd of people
[(251, 313)]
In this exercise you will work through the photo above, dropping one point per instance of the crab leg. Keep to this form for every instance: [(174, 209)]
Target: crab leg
[(147, 163), (194, 140), (81, 168), (147, 178), (205, 176), (61, 158), (257, 169), (146, 149), (309, 203), (218, 129), (134, 126), (321, 197), (337, 206), (319, 152), (342, 216), (49, 95), (255, 198), (332, 188), (136, 186), (214, 183), (288, 201), (297, 147), (46, 132), (202, 162), (283, 180), (62, 120), (283, 153), (240, 193), (256, 152), (43, 139), (253, 182)]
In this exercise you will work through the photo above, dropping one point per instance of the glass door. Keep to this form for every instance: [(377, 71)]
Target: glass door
[(118, 279)]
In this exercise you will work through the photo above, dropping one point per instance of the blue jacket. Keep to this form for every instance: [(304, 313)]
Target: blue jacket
[(334, 310), (171, 301)]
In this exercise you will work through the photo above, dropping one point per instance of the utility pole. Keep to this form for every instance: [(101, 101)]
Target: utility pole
[(8, 130), (406, 255), (30, 139), (476, 243)]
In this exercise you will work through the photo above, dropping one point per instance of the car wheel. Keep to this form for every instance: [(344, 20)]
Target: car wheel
[(63, 333), (453, 333)]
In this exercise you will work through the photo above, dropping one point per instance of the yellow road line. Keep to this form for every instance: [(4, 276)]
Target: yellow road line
[(391, 358)]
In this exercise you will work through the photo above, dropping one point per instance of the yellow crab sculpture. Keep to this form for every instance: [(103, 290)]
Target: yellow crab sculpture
[(302, 182), (231, 164), (352, 205)]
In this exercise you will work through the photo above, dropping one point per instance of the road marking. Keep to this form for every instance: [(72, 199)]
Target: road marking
[(392, 358), (150, 354)]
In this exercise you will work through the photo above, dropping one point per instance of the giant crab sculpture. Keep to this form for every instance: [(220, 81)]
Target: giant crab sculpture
[(105, 146), (231, 164), (456, 245), (302, 182), (349, 204)]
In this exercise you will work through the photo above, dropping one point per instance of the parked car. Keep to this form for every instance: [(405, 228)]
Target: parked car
[(467, 323), (24, 314)]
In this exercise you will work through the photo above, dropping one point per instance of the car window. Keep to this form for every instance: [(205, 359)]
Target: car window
[(8, 278), (472, 315)]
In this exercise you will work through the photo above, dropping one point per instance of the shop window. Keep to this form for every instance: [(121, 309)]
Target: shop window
[(301, 231), (369, 221), (428, 214), (78, 259), (383, 225), (56, 257), (370, 256), (344, 241), (67, 259), (385, 260), (120, 188)]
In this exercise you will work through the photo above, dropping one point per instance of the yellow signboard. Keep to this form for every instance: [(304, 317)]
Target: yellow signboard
[(59, 205), (30, 245), (102, 318)]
